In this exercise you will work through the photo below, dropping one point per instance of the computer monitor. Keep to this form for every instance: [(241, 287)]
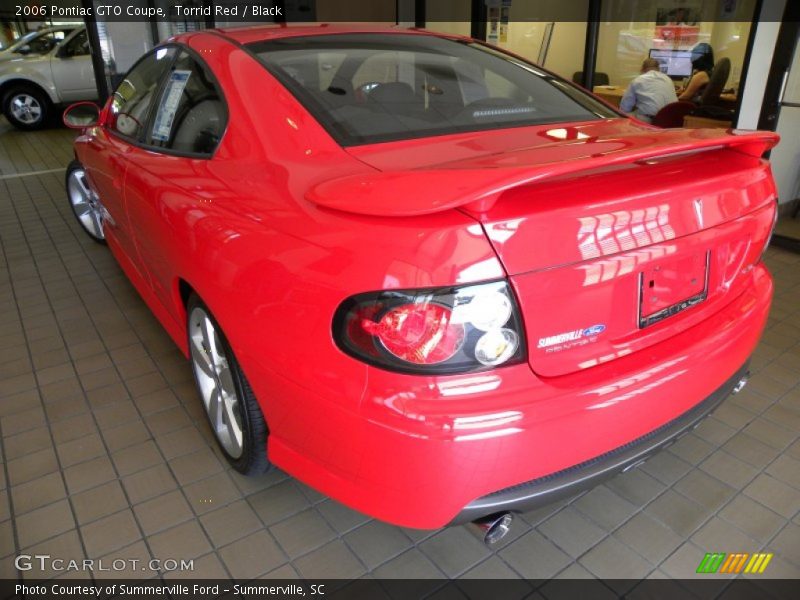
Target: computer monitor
[(675, 63)]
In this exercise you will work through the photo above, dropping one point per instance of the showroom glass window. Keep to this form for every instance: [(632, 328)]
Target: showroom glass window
[(189, 116), (631, 32), (550, 34), (367, 88), (133, 98)]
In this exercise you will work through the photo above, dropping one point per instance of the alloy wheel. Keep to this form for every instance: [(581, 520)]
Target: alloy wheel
[(215, 381), (26, 109), (85, 204)]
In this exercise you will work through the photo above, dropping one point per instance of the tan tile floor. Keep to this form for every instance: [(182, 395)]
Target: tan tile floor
[(105, 451), (789, 226)]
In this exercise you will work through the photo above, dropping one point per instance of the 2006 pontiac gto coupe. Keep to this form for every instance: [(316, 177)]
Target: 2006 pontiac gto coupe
[(424, 276)]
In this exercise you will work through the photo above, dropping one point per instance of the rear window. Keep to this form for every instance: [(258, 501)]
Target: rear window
[(366, 88)]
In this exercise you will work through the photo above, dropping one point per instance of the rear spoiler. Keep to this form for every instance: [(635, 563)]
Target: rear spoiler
[(476, 184)]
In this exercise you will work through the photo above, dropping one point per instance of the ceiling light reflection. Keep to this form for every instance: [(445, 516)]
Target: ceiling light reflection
[(486, 421), (485, 435)]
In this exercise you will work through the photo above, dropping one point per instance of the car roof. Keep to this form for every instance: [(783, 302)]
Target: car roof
[(260, 33)]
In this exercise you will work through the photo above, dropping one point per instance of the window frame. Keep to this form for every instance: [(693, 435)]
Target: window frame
[(150, 115)]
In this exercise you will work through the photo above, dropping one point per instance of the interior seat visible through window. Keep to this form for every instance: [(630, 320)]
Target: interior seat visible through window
[(131, 101), (190, 114)]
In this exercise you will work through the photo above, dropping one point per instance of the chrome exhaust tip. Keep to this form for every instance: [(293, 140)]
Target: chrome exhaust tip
[(494, 527), (741, 383)]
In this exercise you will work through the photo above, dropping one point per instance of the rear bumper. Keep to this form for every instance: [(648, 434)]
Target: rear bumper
[(556, 486), (423, 452)]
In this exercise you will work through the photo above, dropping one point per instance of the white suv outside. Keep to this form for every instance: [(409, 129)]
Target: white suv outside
[(31, 86)]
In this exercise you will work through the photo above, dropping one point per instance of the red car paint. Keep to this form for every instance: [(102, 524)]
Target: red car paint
[(273, 235)]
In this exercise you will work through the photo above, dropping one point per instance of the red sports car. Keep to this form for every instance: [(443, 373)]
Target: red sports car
[(424, 276)]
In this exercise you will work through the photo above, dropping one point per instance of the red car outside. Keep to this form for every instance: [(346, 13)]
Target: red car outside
[(423, 276)]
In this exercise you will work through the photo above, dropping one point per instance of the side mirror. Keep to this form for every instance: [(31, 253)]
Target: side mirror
[(26, 49), (82, 115)]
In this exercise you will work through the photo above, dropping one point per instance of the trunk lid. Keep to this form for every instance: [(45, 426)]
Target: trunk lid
[(610, 261), (615, 236)]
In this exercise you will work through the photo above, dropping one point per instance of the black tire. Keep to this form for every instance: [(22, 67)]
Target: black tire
[(253, 459), (93, 234), (37, 97)]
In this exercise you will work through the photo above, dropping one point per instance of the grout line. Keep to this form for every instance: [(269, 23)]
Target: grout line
[(180, 486), (11, 513), (42, 404), (91, 413), (31, 174), (215, 452)]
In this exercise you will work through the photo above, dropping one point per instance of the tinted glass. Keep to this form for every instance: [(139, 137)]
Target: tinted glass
[(190, 113), (369, 88), (46, 41), (134, 96)]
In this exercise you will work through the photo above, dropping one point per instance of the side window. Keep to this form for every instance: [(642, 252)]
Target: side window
[(45, 42), (190, 114), (133, 98), (77, 46)]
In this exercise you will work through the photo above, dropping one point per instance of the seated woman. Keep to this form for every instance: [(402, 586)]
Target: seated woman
[(702, 65)]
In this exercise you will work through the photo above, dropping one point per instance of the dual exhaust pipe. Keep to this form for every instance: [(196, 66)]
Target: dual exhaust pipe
[(494, 527), (741, 383)]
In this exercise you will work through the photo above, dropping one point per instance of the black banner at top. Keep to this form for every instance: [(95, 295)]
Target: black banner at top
[(674, 13)]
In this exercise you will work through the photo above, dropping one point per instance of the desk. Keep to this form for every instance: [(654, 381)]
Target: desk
[(690, 122), (610, 93)]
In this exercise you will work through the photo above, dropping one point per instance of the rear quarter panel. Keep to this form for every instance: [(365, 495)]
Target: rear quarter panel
[(272, 267)]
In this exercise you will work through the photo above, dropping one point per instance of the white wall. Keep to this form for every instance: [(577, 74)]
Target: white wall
[(449, 16), (527, 27), (126, 42), (760, 60)]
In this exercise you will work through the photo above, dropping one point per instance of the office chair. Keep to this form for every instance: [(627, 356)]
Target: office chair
[(599, 78), (719, 77), (671, 115), (710, 105)]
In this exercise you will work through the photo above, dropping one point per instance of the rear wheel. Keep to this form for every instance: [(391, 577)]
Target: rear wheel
[(26, 107), (231, 406), (84, 202)]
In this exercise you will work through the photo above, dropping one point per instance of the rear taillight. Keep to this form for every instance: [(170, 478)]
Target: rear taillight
[(440, 330)]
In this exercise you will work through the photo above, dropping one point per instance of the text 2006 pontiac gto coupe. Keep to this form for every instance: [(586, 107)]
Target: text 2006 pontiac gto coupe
[(424, 276)]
